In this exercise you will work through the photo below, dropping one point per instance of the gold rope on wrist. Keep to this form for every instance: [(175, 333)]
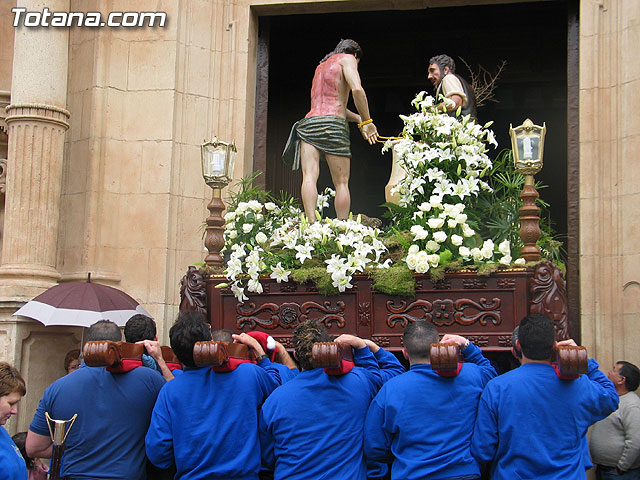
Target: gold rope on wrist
[(366, 122)]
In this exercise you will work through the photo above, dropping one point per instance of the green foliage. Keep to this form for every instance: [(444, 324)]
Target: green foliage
[(495, 215), (245, 190)]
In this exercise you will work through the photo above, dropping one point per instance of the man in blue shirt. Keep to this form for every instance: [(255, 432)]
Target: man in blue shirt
[(531, 423), (207, 422), (422, 421), (114, 409), (311, 427)]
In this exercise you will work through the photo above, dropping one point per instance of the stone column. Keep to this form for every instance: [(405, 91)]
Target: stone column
[(37, 121)]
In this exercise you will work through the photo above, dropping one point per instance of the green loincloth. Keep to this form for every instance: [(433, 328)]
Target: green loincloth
[(328, 133)]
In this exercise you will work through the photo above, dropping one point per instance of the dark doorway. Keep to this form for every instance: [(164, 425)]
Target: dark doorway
[(531, 37)]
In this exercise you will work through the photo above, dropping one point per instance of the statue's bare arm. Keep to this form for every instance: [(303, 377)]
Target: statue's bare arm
[(352, 77)]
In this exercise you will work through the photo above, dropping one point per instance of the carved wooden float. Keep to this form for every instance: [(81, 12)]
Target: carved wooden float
[(484, 309)]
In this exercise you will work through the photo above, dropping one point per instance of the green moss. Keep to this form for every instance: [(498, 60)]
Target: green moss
[(396, 280), (486, 269), (318, 276)]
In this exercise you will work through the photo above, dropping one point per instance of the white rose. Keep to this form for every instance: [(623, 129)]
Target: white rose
[(487, 249), (433, 246), (434, 259), (476, 254), (412, 259), (419, 233), (456, 239), (247, 227), (413, 249), (424, 207), (270, 206), (520, 261), (461, 218), (440, 236), (464, 252), (230, 216), (261, 238), (422, 267), (505, 247), (506, 260), (233, 234), (451, 223), (435, 223), (467, 231)]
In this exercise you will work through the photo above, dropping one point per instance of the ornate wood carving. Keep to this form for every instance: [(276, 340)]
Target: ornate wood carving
[(504, 341), (364, 313), (506, 283), (475, 283), (479, 340), (193, 292), (287, 342), (442, 285), (288, 315), (549, 296), (381, 341), (288, 287), (445, 312)]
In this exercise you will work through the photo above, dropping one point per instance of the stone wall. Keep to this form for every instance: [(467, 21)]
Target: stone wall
[(609, 179)]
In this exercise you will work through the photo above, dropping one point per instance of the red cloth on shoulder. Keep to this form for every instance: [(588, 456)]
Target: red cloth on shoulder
[(230, 365), (345, 367), (126, 365), (561, 376), (174, 366), (450, 373)]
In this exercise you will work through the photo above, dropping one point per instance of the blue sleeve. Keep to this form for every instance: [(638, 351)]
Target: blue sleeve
[(606, 398), (39, 423), (269, 382), (363, 358), (267, 442), (159, 438), (377, 441), (473, 354), (484, 442), (389, 365)]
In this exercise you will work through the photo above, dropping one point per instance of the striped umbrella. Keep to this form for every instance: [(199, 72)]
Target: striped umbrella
[(81, 304)]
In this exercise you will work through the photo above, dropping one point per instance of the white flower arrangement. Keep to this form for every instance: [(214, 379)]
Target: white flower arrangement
[(445, 159), (281, 239)]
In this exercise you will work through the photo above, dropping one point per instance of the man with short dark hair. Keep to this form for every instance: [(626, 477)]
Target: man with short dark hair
[(452, 88), (311, 427), (206, 422), (406, 420), (615, 441), (114, 409), (142, 329), (530, 422)]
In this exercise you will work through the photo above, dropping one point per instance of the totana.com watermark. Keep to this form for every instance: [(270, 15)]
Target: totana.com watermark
[(47, 18)]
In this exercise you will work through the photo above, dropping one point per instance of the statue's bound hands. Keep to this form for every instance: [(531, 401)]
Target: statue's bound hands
[(369, 133)]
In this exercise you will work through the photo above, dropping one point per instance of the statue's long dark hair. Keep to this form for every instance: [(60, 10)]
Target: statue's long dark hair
[(345, 46)]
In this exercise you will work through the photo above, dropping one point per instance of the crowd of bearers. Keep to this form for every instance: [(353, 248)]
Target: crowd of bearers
[(285, 419)]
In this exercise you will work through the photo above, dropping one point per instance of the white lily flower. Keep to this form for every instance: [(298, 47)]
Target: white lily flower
[(279, 274), (304, 252)]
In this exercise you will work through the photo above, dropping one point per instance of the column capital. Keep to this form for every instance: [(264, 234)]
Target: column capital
[(39, 112)]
